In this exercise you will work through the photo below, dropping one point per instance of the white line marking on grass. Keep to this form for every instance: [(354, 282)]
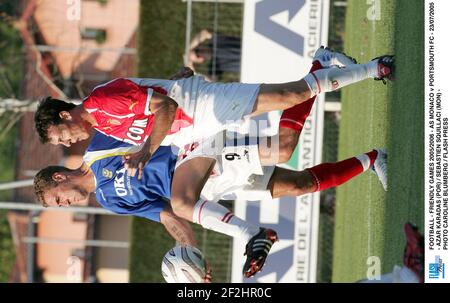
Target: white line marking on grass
[(371, 124)]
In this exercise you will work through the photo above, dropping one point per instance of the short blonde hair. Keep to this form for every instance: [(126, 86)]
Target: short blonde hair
[(43, 181)]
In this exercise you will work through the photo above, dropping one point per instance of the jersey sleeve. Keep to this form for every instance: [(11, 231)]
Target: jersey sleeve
[(120, 98)]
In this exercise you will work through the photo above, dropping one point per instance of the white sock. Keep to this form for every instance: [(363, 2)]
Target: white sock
[(218, 218), (333, 78)]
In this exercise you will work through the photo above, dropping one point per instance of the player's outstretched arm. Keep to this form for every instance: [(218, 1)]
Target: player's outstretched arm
[(164, 109), (181, 231), (177, 227)]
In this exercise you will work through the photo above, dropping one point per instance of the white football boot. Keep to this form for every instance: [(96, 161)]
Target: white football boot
[(328, 57), (386, 68), (380, 167)]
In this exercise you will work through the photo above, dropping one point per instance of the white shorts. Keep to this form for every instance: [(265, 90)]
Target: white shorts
[(213, 107), (237, 173)]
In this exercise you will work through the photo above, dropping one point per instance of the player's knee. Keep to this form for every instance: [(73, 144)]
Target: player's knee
[(304, 183), (182, 206), (297, 95), (181, 210), (287, 148), (285, 154)]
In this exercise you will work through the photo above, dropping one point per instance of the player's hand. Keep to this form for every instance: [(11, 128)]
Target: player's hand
[(208, 276), (205, 34), (136, 162), (184, 72)]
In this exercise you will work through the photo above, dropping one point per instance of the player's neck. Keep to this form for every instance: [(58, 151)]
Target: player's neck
[(85, 178), (85, 117)]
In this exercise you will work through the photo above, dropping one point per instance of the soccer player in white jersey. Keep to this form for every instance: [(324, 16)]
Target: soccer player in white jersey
[(159, 111)]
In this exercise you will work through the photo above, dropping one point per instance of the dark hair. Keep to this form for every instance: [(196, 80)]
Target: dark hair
[(44, 181), (201, 49), (47, 114)]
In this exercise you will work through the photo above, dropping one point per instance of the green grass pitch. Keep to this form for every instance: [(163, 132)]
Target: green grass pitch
[(369, 221)]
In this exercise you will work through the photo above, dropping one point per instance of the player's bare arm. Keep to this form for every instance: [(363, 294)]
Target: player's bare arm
[(177, 227), (164, 109), (181, 231)]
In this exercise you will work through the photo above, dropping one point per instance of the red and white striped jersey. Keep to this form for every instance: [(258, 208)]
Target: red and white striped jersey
[(121, 109)]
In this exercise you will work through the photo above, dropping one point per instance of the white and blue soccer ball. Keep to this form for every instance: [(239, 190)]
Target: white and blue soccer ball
[(184, 264)]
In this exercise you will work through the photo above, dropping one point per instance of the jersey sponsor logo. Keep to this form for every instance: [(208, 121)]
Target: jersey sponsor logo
[(136, 132), (107, 173), (119, 183)]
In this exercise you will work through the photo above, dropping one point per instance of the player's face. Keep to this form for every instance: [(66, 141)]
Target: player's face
[(65, 194), (66, 133)]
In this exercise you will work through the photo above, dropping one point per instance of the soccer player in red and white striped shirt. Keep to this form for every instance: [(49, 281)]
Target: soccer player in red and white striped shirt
[(149, 111)]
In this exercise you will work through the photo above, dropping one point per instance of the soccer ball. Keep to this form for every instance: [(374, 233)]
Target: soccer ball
[(183, 264)]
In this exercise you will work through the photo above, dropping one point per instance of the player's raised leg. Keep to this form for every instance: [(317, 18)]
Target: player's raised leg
[(285, 95), (279, 148), (285, 182), (188, 182)]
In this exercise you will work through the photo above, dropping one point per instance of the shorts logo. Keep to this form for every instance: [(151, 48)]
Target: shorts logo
[(234, 105), (107, 173)]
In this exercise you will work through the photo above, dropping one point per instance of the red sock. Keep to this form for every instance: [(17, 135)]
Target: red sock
[(296, 116), (328, 175)]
